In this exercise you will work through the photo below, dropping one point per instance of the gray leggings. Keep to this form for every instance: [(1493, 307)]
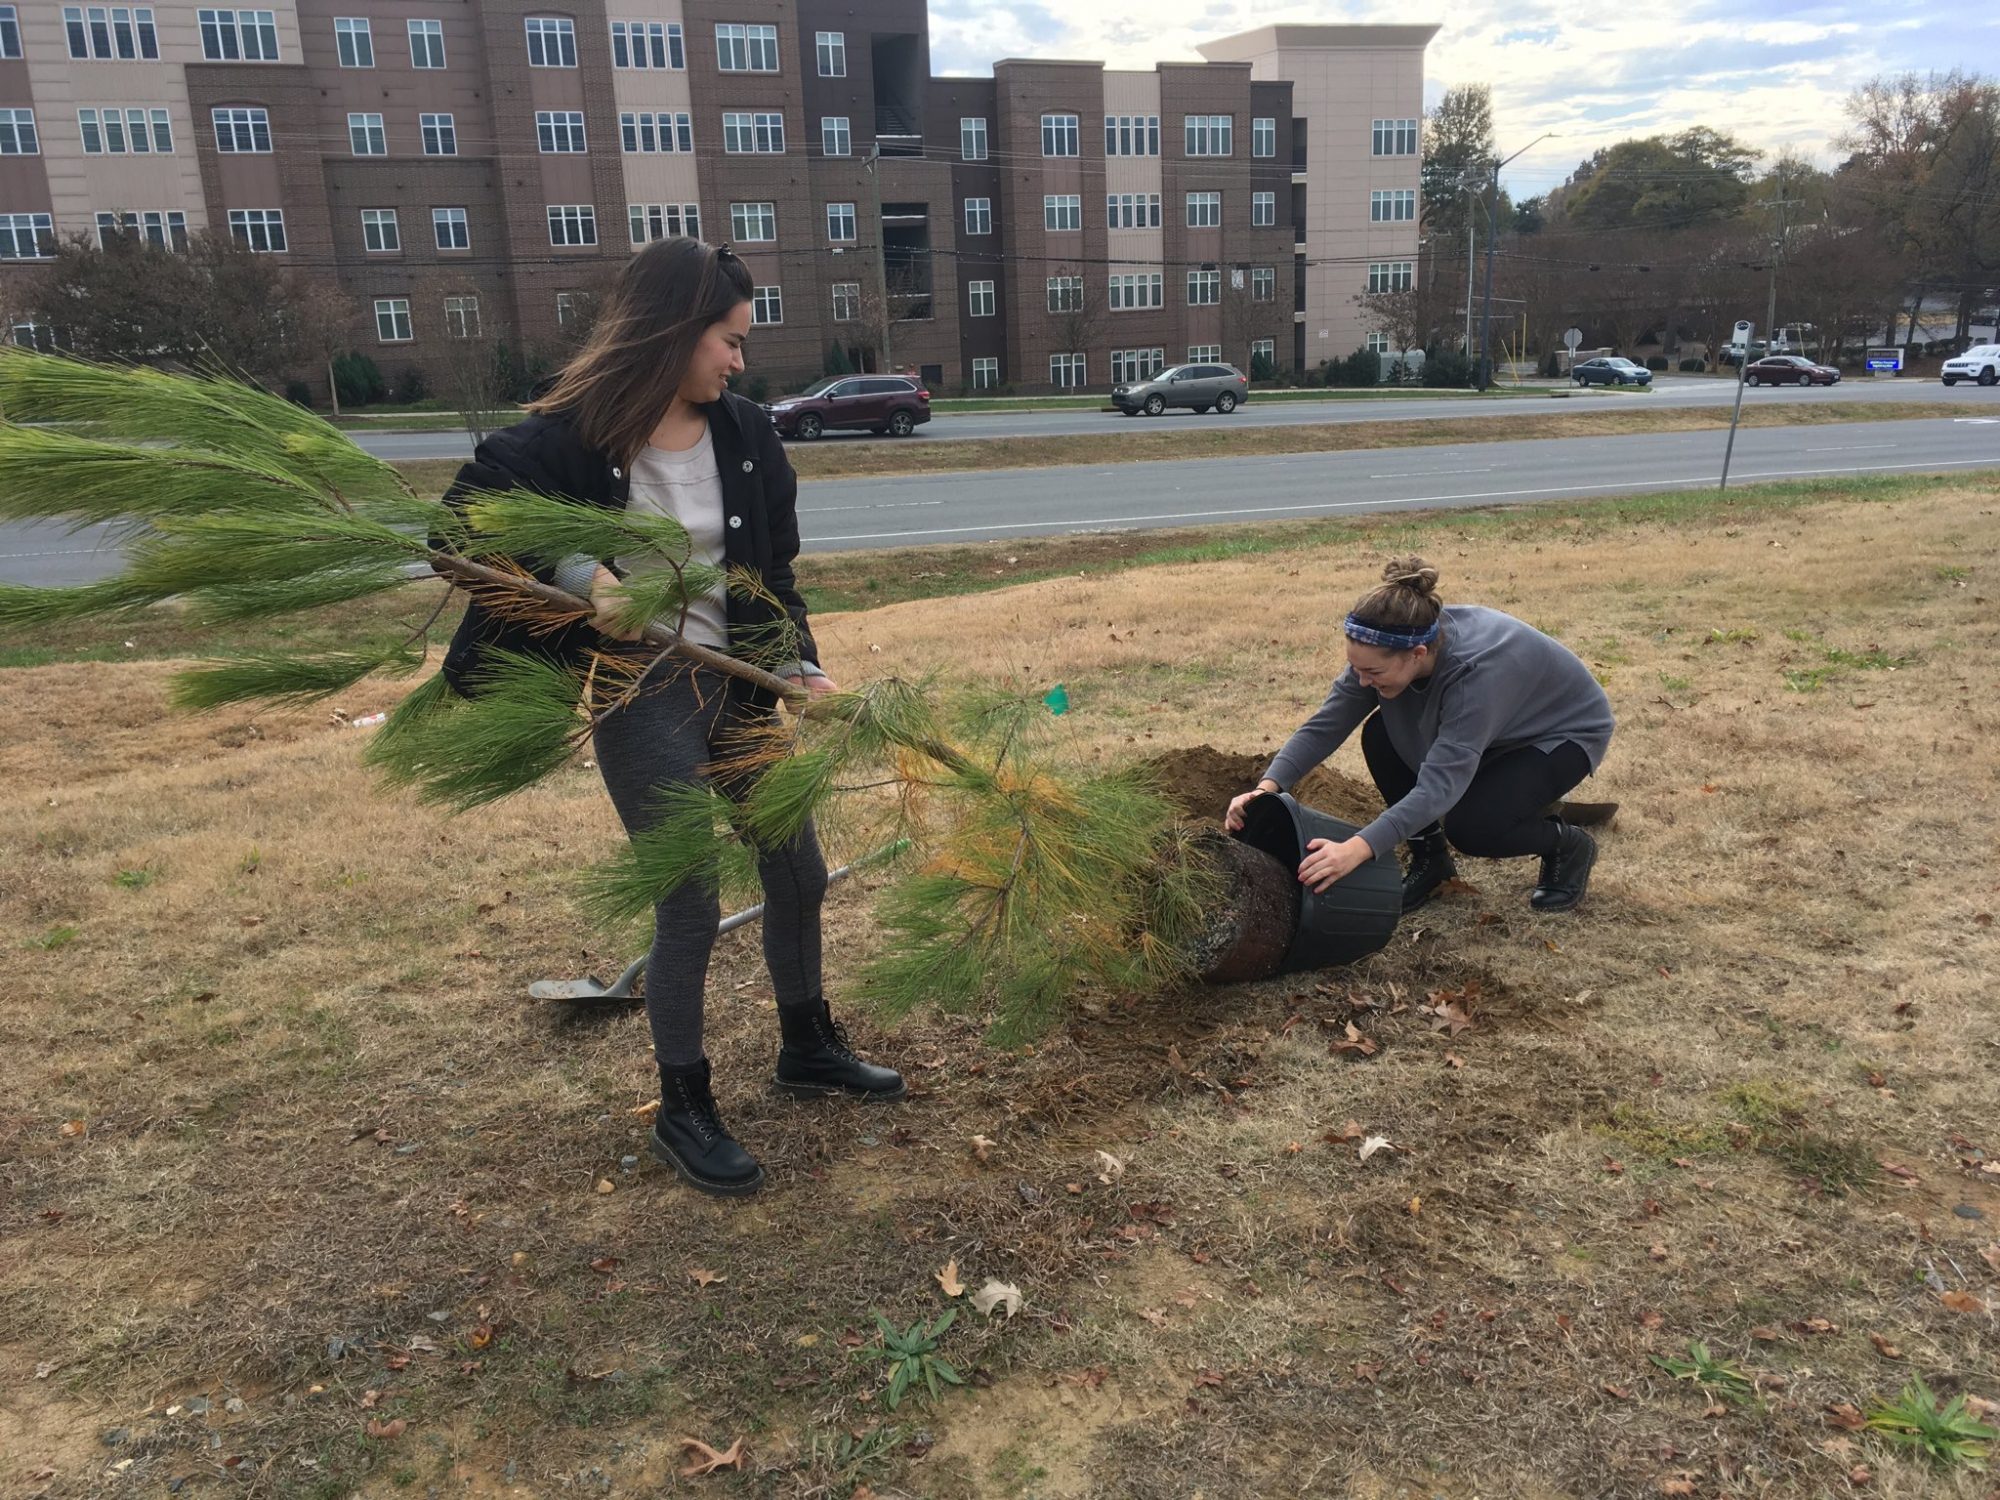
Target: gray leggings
[(664, 737)]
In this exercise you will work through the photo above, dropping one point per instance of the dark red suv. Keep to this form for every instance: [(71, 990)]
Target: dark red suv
[(894, 404)]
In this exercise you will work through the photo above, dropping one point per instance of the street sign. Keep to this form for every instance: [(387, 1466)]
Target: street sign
[(1886, 361), (1571, 338)]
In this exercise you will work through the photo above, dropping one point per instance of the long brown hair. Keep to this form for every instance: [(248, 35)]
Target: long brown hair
[(1406, 601), (621, 382)]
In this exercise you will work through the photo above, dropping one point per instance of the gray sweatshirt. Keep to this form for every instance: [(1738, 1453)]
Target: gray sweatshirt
[(1499, 684)]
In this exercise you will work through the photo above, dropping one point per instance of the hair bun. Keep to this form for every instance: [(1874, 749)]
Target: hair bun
[(1412, 573)]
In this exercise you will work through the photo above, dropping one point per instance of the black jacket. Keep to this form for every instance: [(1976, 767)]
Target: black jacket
[(760, 529)]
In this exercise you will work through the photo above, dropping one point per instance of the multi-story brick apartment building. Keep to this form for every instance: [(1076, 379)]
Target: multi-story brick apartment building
[(469, 169)]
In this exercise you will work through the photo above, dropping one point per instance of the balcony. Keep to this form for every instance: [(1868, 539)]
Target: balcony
[(898, 63)]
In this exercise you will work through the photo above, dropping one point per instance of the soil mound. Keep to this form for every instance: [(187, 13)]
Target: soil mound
[(1201, 779)]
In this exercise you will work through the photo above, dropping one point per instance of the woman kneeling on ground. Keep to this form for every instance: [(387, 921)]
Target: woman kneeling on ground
[(642, 419), (1474, 719)]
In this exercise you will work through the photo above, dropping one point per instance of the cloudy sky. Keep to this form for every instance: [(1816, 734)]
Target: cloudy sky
[(1773, 71)]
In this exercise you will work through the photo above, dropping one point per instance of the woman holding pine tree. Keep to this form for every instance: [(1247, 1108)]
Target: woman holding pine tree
[(642, 420), (1473, 723)]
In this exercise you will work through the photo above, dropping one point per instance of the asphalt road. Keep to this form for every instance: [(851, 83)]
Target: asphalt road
[(1677, 391), (898, 512)]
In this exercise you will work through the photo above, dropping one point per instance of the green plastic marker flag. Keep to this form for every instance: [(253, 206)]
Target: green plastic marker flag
[(1057, 699)]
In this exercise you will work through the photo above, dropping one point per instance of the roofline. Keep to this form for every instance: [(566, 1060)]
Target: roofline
[(1267, 39)]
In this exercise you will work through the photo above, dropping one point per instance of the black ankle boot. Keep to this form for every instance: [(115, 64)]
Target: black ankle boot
[(1566, 872), (816, 1060), (1430, 867), (689, 1136)]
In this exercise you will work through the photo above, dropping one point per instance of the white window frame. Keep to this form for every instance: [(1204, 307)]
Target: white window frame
[(986, 372), (846, 301), (1060, 137), (836, 138), (841, 217), (1204, 354), (1131, 135), (236, 123), (249, 225), (1394, 138), (353, 42), (426, 44), (1128, 365), (1065, 294), (1392, 206), (658, 45), (559, 132), (767, 306), (1209, 135), (40, 230), (1264, 136), (1263, 210), (392, 320), (1135, 291), (981, 299), (440, 130), (448, 227), (236, 35), (577, 221), (381, 234), (748, 132), (164, 228), (830, 48), (648, 133), (1263, 283), (978, 215), (551, 41), (17, 133), (10, 33), (972, 138), (1069, 372), (753, 223), (461, 317), (114, 33), (1376, 343), (1204, 288), (1204, 210), (1391, 276), (1132, 210), (367, 135), (1062, 213), (745, 49), (662, 221)]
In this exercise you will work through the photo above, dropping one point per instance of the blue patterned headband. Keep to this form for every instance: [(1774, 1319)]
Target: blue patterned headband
[(1391, 640)]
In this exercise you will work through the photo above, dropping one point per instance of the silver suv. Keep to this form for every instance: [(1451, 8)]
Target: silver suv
[(1223, 387)]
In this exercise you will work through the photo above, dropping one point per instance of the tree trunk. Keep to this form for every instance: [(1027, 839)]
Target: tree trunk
[(332, 386)]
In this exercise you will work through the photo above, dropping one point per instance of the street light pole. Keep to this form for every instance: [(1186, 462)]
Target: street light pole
[(1493, 233), (881, 256)]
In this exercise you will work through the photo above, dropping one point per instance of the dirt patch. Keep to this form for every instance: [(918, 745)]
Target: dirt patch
[(1201, 779)]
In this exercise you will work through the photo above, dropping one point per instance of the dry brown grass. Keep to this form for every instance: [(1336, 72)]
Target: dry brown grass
[(289, 1011)]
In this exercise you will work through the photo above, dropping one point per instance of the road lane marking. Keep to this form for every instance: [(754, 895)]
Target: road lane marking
[(1431, 473)]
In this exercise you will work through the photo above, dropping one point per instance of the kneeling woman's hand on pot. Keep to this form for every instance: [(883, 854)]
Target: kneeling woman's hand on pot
[(1233, 819), (1326, 861)]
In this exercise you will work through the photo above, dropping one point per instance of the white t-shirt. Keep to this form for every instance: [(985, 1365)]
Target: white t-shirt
[(688, 487)]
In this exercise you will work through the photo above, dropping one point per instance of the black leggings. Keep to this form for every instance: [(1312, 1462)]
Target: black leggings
[(1504, 812)]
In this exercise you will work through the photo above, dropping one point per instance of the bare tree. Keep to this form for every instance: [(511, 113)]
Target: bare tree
[(321, 318), (1077, 316)]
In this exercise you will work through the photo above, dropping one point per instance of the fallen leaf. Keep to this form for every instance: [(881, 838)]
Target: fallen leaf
[(981, 1145), (1817, 1325), (72, 1128), (645, 1111), (701, 1276), (605, 1264), (1658, 1252), (1621, 1392), (1991, 1255), (1884, 1348), (1373, 1144), (1651, 1319), (481, 1336), (606, 1185), (1209, 1378), (1767, 1335), (1414, 1208), (1613, 1166), (1860, 1475), (997, 1294), (1959, 1301), (369, 1398), (1896, 1169), (808, 1341), (394, 1428), (1453, 1060), (1677, 1485), (1450, 1017), (707, 1460), (1366, 1370), (1154, 1316), (1351, 1131), (948, 1281), (1846, 1416), (1109, 1167), (1354, 1041)]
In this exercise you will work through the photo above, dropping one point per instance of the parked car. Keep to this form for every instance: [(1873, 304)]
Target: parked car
[(894, 404), (1614, 370), (1789, 369), (1223, 387), (1980, 363)]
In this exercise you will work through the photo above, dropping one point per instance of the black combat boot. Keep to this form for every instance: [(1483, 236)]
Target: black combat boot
[(1430, 867), (1566, 872), (816, 1059), (689, 1136)]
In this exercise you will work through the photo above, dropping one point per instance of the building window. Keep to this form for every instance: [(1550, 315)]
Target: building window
[(440, 135), (1066, 371), (1267, 351), (834, 137), (10, 32), (1131, 135), (1062, 211), (978, 215), (1263, 137), (426, 44), (832, 49), (559, 132), (1210, 135), (261, 229), (17, 132), (753, 223), (1136, 364), (1204, 210), (1395, 137), (461, 317), (27, 236), (1132, 210), (1263, 283), (448, 228), (767, 305), (647, 44), (572, 224), (1059, 136), (365, 135), (753, 133), (240, 131), (846, 301), (746, 49), (1131, 291), (565, 309), (1204, 288), (1263, 210), (354, 42), (840, 221), (165, 229), (664, 221), (1065, 294), (1377, 343), (643, 131), (392, 320), (986, 373), (980, 299), (116, 132), (379, 230), (1392, 206), (227, 35), (114, 34), (1205, 354), (971, 138), (1390, 276), (551, 42)]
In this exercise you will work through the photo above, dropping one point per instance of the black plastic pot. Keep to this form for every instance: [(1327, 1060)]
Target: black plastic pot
[(1351, 918)]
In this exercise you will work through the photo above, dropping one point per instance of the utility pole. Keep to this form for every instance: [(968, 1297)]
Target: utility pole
[(1471, 226), (881, 256), (1492, 234)]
